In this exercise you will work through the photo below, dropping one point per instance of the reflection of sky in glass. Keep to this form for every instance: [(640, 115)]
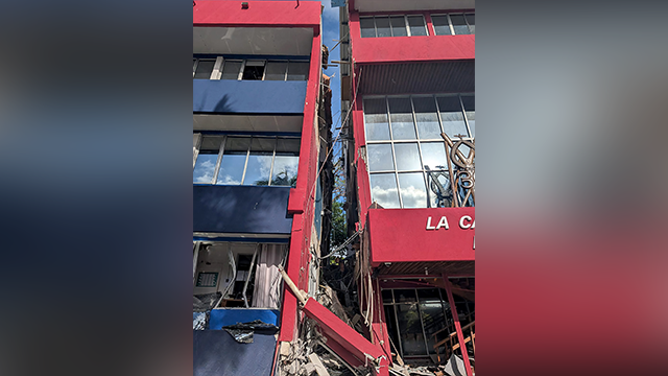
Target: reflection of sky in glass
[(401, 117), (469, 107), (205, 167), (427, 120), (257, 171), (384, 190), (434, 155), (231, 169), (380, 157), (413, 192), (452, 116), (285, 170), (408, 157), (375, 120)]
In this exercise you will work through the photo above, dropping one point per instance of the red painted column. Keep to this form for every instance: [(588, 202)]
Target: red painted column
[(379, 335), (301, 202), (458, 326)]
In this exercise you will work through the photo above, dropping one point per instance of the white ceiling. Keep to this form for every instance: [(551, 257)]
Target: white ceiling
[(247, 123), (252, 40), (404, 5)]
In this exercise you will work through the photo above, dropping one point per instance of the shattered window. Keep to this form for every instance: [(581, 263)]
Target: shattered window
[(405, 153)]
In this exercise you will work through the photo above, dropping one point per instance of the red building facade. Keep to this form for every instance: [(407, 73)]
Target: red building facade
[(408, 81)]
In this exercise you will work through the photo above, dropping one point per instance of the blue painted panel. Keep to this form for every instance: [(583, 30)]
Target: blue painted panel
[(231, 316), (249, 97), (216, 353), (241, 209)]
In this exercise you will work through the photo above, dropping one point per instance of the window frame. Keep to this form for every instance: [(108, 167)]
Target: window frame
[(220, 61), (418, 141), (221, 152), (389, 17), (452, 27)]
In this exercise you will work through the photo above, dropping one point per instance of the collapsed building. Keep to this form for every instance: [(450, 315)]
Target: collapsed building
[(266, 299)]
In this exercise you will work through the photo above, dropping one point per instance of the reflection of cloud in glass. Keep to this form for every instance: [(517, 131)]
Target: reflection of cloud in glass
[(257, 171), (285, 170), (203, 172), (413, 197), (386, 198)]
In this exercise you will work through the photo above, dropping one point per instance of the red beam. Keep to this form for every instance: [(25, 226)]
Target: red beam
[(458, 326), (258, 14)]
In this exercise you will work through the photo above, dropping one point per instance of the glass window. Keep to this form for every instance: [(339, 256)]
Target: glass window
[(387, 296), (234, 160), (433, 316), (408, 157), (469, 108), (416, 25), (204, 68), (231, 70), (434, 155), (401, 117), (205, 165), (384, 190), (410, 330), (441, 25), (452, 117), (276, 70), (367, 27), (413, 191), (383, 26), (298, 71), (375, 120), (459, 24), (419, 164), (427, 119), (404, 296), (398, 24), (380, 157), (286, 162), (470, 18), (253, 70), (259, 161)]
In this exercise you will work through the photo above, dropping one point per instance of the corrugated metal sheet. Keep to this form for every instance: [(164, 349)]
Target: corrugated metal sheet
[(407, 78), (458, 268)]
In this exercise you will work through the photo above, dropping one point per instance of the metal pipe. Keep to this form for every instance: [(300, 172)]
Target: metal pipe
[(250, 272)]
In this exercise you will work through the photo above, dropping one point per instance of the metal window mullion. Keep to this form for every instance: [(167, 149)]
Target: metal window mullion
[(287, 69), (241, 71), (217, 71), (221, 151), (264, 71), (466, 19), (195, 66), (452, 27), (407, 26), (375, 28), (466, 118), (424, 332), (273, 158), (394, 154), (243, 176), (440, 119), (424, 22)]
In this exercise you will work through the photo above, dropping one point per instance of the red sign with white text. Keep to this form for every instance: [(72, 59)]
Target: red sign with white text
[(416, 235)]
